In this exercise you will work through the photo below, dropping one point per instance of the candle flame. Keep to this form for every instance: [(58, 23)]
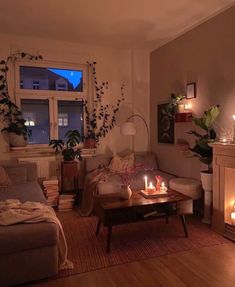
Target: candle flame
[(151, 185), (233, 117), (187, 106)]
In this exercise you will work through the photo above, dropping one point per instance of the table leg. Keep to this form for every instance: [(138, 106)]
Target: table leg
[(184, 225), (109, 238), (167, 219), (98, 227)]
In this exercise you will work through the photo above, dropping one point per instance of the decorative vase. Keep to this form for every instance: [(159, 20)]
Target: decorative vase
[(207, 185), (16, 140), (125, 192)]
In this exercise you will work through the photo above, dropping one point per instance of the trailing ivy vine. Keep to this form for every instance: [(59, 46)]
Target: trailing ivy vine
[(12, 116), (100, 120)]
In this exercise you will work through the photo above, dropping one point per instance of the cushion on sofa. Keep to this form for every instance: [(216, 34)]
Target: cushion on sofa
[(17, 174), (149, 160), (121, 164), (31, 169), (28, 191), (96, 162)]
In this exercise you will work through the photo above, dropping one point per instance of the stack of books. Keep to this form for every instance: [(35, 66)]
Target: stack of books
[(66, 201), (229, 231), (51, 191), (88, 152)]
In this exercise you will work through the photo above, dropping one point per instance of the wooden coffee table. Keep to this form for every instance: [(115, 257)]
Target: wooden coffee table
[(111, 210)]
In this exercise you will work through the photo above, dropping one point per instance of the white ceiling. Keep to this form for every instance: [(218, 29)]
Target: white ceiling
[(119, 23)]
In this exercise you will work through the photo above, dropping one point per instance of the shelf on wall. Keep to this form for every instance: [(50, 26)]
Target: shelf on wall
[(183, 117)]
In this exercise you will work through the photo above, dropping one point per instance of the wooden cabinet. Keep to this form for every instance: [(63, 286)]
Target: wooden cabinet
[(69, 177)]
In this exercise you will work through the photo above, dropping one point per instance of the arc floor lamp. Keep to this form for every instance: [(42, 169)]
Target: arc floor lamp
[(129, 128)]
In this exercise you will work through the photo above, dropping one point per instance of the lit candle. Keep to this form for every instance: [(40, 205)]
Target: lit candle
[(163, 188), (151, 188), (151, 185), (145, 183), (187, 107), (233, 215), (233, 128)]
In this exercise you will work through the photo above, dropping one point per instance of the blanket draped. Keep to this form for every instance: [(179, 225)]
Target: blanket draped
[(90, 188), (12, 211)]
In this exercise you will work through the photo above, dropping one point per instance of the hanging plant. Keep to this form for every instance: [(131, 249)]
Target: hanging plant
[(11, 114), (172, 107), (100, 120)]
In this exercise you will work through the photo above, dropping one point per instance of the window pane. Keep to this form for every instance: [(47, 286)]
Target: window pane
[(70, 117), (36, 114), (37, 78)]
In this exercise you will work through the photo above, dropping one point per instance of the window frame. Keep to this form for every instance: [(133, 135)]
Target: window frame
[(53, 96)]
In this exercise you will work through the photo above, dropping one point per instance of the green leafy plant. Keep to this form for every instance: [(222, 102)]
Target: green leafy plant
[(11, 114), (101, 119), (69, 149), (202, 148), (173, 104)]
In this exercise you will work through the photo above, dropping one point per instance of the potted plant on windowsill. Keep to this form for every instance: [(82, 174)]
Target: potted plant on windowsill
[(204, 152), (14, 124), (68, 149)]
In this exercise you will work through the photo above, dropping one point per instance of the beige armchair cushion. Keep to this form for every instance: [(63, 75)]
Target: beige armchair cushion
[(187, 186), (121, 164)]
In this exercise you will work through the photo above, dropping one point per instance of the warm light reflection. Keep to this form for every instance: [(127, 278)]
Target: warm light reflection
[(187, 107)]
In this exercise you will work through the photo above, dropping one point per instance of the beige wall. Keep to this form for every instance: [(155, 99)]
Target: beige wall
[(205, 55), (117, 66)]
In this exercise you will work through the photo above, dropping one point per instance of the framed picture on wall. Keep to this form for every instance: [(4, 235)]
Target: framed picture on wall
[(165, 125), (191, 91)]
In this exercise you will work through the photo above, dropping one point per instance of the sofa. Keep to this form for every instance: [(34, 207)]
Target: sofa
[(148, 166), (28, 252)]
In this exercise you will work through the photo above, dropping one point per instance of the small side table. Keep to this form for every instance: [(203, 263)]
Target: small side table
[(69, 171)]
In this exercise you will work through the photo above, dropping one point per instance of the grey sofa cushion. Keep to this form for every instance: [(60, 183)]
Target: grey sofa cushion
[(31, 169), (28, 191), (97, 161), (25, 236), (149, 160), (17, 174)]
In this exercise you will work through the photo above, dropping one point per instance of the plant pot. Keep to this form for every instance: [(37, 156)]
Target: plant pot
[(207, 180), (16, 140), (89, 143), (207, 185)]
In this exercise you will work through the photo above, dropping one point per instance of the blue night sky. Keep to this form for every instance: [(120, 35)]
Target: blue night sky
[(73, 76)]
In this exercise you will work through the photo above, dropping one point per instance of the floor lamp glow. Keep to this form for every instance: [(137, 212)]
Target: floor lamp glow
[(129, 129)]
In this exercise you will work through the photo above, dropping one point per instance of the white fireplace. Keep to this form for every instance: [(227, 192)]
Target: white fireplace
[(223, 185)]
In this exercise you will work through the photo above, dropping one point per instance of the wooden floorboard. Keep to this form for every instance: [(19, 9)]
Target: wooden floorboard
[(204, 267)]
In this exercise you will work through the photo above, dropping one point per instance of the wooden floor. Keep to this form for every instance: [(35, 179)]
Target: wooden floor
[(208, 266)]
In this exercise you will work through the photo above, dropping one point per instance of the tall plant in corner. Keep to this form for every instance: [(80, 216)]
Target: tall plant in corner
[(14, 124), (204, 152), (100, 118), (202, 149)]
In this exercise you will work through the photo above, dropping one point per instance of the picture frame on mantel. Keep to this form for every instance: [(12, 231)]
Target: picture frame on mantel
[(191, 90)]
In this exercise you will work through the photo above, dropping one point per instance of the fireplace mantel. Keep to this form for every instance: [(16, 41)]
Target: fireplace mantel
[(223, 184)]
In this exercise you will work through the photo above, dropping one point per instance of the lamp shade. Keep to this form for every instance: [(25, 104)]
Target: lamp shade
[(128, 129)]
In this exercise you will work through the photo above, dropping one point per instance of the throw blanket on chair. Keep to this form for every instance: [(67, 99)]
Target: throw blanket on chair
[(90, 188), (12, 211)]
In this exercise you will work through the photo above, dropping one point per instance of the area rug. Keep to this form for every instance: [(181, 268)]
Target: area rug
[(131, 242)]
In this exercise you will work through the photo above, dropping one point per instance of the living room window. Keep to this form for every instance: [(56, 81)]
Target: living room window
[(51, 98)]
